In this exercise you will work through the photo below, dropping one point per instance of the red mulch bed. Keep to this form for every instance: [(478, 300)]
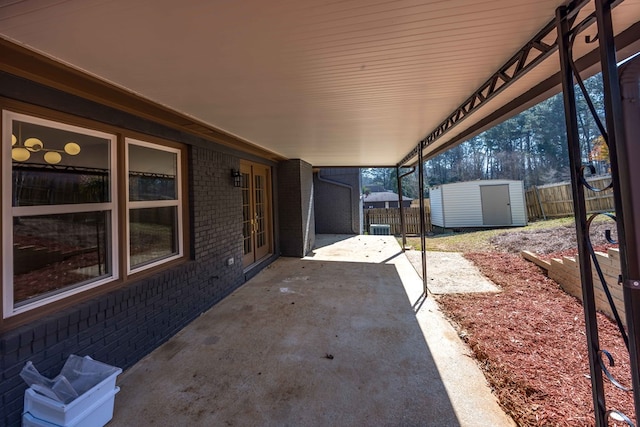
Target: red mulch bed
[(530, 341)]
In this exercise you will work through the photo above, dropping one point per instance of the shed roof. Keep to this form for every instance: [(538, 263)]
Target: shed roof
[(336, 83)]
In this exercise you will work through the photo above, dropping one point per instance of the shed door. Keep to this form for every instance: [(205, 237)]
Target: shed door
[(496, 205)]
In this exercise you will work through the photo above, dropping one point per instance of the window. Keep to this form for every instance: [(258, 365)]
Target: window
[(153, 205), (59, 213), (62, 213)]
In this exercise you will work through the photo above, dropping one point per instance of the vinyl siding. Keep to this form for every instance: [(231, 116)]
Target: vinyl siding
[(460, 204), (518, 204), (435, 199)]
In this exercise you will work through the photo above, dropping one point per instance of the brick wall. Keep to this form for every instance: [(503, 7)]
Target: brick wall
[(121, 327), (295, 205)]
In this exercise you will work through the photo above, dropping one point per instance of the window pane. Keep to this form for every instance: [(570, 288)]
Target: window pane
[(54, 166), (153, 234), (52, 253), (152, 174)]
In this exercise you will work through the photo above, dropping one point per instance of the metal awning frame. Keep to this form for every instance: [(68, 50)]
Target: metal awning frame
[(526, 59)]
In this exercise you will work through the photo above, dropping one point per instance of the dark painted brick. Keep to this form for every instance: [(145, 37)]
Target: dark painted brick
[(92, 320), (41, 330), (26, 337), (74, 317), (50, 340), (85, 312), (83, 344), (63, 334), (38, 345), (10, 358), (121, 327), (94, 308), (73, 329), (11, 343), (54, 349), (63, 322), (24, 352)]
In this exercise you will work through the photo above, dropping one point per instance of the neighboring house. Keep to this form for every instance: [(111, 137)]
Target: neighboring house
[(337, 204), (384, 199)]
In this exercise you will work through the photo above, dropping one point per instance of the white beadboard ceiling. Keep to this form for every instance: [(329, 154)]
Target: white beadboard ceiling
[(332, 82)]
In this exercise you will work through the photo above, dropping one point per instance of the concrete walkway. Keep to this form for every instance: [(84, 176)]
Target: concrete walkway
[(340, 338), (451, 273)]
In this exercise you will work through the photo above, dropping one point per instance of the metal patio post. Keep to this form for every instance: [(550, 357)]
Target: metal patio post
[(401, 208), (575, 163), (402, 219), (422, 215), (624, 159)]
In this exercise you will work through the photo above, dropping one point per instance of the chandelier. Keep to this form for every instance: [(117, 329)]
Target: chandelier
[(21, 150)]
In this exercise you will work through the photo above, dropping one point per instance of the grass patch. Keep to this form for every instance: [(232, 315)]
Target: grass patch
[(478, 241)]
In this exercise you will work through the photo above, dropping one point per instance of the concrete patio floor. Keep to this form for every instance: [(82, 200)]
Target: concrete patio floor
[(339, 338)]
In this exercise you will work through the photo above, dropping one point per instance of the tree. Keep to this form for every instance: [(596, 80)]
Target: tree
[(530, 146)]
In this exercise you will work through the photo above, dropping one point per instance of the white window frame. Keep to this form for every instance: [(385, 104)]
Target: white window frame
[(9, 212), (154, 204)]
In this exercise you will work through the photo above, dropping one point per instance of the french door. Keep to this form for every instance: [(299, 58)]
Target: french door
[(256, 212)]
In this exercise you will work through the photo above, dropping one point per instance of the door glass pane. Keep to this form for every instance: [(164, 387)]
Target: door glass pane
[(55, 166), (152, 174), (260, 224), (52, 253), (247, 223), (153, 234)]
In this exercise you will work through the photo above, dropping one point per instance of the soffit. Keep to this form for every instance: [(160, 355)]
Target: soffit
[(336, 83)]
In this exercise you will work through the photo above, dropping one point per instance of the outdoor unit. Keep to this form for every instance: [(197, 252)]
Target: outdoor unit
[(380, 229)]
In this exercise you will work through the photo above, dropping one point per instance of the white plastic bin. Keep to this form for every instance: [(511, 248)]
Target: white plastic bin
[(96, 415), (92, 408)]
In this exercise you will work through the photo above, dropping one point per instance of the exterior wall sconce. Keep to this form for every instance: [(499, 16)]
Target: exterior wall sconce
[(237, 178)]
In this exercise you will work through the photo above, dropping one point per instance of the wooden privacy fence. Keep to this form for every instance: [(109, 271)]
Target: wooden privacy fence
[(555, 200), (391, 216)]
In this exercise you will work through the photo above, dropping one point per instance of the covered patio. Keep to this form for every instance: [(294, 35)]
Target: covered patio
[(343, 336), (203, 122)]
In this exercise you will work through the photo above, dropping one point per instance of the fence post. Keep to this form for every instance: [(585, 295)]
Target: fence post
[(535, 189)]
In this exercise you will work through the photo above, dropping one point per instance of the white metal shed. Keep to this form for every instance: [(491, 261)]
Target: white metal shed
[(487, 203)]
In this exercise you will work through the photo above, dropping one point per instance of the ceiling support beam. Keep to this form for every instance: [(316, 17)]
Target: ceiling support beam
[(547, 88), (530, 55)]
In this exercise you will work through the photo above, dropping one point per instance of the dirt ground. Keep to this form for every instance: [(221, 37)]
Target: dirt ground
[(551, 241), (530, 338)]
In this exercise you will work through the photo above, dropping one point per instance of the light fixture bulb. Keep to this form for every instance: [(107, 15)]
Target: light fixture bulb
[(13, 139), (71, 148), (52, 157), (20, 154), (33, 144)]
